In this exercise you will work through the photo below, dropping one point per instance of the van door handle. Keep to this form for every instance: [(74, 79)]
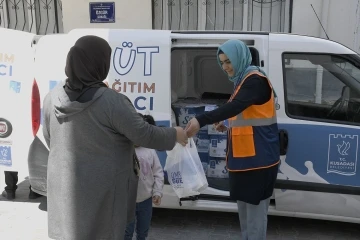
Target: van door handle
[(284, 141)]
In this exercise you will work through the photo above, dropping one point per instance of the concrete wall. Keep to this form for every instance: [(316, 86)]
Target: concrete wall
[(339, 18), (304, 20), (128, 13)]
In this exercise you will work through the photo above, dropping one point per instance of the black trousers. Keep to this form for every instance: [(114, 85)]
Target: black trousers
[(11, 180)]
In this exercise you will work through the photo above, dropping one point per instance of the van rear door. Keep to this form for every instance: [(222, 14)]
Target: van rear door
[(50, 58), (140, 69), (16, 79)]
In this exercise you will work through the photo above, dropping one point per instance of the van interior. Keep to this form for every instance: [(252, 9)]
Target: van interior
[(196, 74), (197, 78)]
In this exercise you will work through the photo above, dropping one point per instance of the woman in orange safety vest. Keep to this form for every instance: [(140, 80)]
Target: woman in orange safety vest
[(253, 151)]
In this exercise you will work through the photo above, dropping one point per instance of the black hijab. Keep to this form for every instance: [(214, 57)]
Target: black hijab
[(87, 66)]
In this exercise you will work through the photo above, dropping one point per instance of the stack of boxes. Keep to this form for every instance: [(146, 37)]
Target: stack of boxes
[(211, 144), (217, 151)]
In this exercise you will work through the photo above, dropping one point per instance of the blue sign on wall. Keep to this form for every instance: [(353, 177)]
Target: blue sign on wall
[(102, 12)]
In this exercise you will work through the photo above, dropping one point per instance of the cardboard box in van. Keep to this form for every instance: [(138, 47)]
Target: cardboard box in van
[(218, 146), (185, 112), (217, 168)]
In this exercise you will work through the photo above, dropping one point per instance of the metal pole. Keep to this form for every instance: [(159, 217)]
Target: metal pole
[(56, 15), (245, 15)]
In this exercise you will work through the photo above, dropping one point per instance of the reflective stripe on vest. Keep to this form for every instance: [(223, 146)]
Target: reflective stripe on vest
[(240, 121)]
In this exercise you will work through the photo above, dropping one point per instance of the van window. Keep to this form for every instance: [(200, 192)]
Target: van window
[(322, 87)]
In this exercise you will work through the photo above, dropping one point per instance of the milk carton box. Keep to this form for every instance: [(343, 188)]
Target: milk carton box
[(218, 145), (217, 168), (185, 112), (204, 158), (202, 142)]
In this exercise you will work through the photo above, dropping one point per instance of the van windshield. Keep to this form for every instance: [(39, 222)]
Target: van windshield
[(351, 68)]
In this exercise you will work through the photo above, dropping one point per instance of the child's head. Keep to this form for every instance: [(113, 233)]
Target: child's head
[(149, 119)]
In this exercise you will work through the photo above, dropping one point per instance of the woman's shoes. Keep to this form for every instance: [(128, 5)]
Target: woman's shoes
[(33, 195), (8, 195), (11, 195)]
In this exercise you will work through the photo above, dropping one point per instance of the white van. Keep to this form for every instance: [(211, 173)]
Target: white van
[(174, 75)]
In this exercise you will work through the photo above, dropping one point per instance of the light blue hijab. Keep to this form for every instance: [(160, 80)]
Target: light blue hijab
[(240, 58)]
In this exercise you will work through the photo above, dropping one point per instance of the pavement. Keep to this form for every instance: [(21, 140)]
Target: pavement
[(25, 219)]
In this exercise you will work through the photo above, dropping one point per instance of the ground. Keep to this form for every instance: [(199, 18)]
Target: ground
[(25, 219)]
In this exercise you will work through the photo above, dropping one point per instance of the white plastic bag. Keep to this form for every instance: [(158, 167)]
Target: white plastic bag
[(185, 171)]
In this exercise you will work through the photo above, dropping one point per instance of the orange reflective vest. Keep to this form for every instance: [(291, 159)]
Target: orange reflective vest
[(253, 136)]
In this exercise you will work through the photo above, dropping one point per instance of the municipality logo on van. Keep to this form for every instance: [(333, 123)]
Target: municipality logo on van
[(342, 154), (5, 155)]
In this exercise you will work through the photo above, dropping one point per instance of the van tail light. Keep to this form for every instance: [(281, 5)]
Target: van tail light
[(35, 108)]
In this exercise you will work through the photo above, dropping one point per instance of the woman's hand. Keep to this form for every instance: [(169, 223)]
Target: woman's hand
[(192, 127), (220, 127), (181, 136)]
